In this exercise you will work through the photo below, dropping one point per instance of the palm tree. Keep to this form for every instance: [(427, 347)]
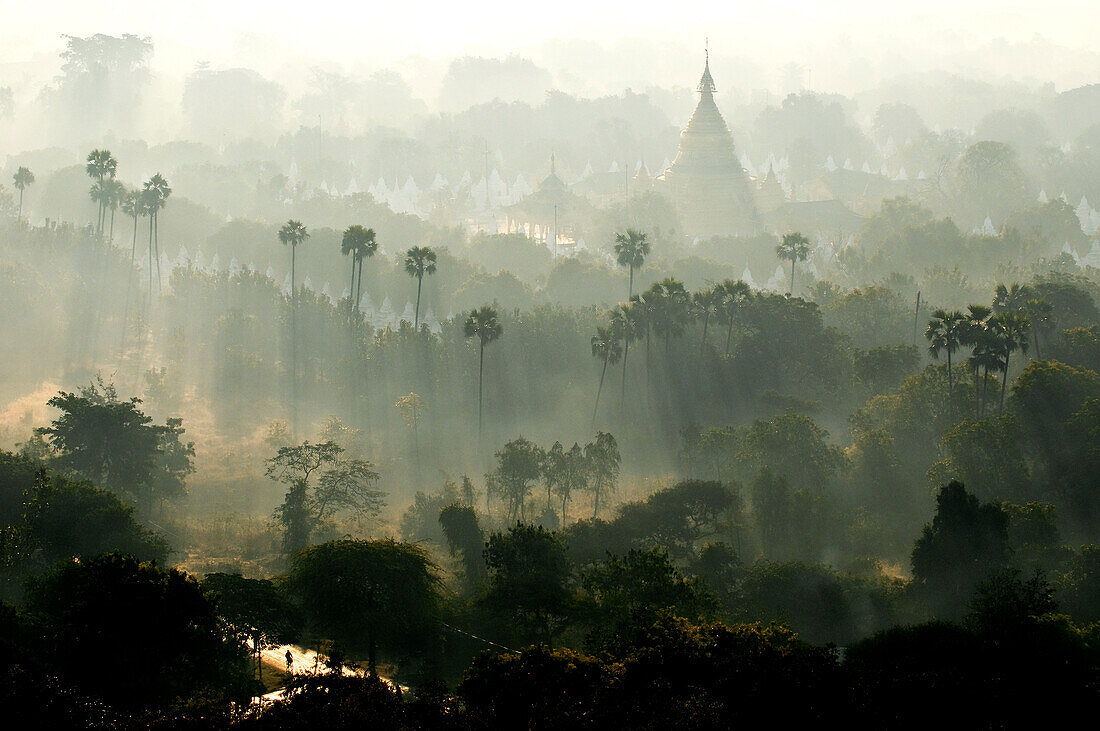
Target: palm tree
[(156, 192), (133, 206), (670, 308), (1038, 311), (631, 249), (793, 248), (23, 178), (734, 296), (642, 307), (419, 260), (627, 326), (149, 202), (116, 192), (361, 244), (1010, 330), (100, 194), (100, 166), (484, 324), (293, 233), (606, 347), (706, 303), (944, 333), (1011, 298), (976, 336)]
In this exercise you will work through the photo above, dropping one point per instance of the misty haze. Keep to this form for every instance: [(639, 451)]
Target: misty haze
[(626, 368)]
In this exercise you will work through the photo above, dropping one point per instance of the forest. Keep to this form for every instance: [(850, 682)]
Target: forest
[(461, 475)]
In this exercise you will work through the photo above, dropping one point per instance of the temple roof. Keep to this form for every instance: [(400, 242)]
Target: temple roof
[(552, 181)]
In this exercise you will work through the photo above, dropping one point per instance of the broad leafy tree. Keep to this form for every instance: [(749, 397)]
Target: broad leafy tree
[(519, 465), (321, 483), (255, 609), (604, 462), (135, 634), (381, 597), (965, 544), (529, 582), (113, 444)]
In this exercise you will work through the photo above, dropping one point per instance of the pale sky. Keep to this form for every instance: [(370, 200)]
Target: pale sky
[(845, 46), (346, 30)]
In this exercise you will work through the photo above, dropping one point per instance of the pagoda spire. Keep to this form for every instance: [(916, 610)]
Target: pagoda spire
[(706, 83)]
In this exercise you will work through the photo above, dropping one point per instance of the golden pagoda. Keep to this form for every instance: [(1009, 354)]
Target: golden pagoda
[(706, 181)]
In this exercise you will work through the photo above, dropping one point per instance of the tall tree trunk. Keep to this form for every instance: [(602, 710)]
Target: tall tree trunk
[(1035, 335), (359, 288), (626, 352), (20, 204), (706, 321), (950, 386), (112, 236), (293, 247), (985, 388), (596, 501), (729, 334), (599, 390), (480, 381), (1004, 384), (648, 358), (791, 293), (129, 282), (156, 249), (416, 317), (630, 291), (351, 291), (150, 257), (977, 402)]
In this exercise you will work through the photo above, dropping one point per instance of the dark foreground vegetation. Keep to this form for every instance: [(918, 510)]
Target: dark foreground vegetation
[(648, 620)]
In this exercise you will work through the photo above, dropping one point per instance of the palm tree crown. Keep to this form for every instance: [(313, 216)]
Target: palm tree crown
[(483, 323), (22, 178), (293, 233), (361, 244), (1011, 298), (945, 333), (101, 164), (631, 249), (793, 248), (734, 295)]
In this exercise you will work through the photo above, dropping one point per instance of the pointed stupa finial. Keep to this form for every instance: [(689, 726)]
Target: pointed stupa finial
[(706, 83)]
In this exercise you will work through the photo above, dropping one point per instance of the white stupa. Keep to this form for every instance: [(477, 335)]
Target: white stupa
[(746, 277)]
